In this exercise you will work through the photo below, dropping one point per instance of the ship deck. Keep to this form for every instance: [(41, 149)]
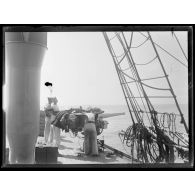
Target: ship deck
[(70, 152)]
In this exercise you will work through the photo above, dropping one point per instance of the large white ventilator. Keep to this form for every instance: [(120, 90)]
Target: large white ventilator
[(24, 54)]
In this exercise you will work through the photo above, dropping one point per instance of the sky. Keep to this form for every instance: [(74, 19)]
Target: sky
[(82, 70)]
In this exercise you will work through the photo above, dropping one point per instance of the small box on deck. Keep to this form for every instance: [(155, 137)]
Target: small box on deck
[(46, 154)]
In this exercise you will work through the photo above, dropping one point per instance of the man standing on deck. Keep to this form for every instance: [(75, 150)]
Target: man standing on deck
[(56, 130), (48, 113), (48, 131)]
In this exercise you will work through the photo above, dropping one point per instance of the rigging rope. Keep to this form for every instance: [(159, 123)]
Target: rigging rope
[(147, 62), (116, 66), (127, 89), (132, 65), (134, 105), (114, 36), (171, 90), (125, 69), (131, 40), (121, 55), (130, 60), (167, 52), (150, 144), (141, 43), (166, 89), (180, 46), (148, 148), (144, 83)]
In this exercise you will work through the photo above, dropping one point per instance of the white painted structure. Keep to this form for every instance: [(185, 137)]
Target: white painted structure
[(24, 54)]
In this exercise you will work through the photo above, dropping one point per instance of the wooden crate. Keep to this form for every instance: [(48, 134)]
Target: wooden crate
[(46, 154)]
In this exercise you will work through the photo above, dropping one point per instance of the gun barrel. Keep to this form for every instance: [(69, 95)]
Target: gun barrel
[(107, 115)]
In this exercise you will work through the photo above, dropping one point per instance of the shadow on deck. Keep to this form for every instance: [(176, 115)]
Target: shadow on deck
[(69, 152)]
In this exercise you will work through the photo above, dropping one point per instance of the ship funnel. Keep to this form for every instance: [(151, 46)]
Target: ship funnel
[(24, 54)]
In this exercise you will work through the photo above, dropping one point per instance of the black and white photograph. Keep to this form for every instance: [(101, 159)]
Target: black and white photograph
[(97, 96)]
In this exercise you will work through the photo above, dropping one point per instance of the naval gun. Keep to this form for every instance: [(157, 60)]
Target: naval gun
[(75, 119)]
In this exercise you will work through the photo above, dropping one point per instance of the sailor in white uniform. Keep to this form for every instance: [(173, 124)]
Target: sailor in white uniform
[(48, 131), (56, 130), (48, 128)]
